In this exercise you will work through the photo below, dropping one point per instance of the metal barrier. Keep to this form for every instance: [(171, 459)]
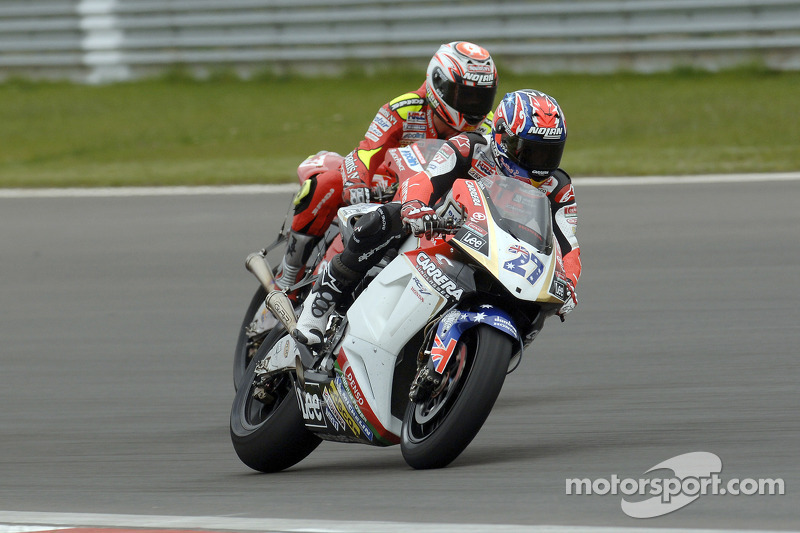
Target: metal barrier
[(103, 40)]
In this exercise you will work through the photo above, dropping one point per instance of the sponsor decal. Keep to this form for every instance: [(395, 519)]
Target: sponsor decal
[(356, 414), (483, 168), (331, 418), (411, 159), (436, 277), (330, 407), (547, 133), (322, 202), (472, 240), (470, 225), (398, 161), (414, 127), (473, 193), (354, 388), (310, 408), (549, 184), (462, 144), (339, 406), (420, 287), (381, 122), (412, 136), (443, 155), (479, 79), (416, 117), (407, 102), (448, 320), (375, 130), (479, 217), (565, 195), (385, 112), (479, 69), (503, 324)]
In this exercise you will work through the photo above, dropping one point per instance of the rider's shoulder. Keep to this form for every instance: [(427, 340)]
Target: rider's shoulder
[(406, 103), (561, 176)]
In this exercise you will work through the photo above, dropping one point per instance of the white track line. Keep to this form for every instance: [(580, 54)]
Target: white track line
[(307, 526), (122, 192)]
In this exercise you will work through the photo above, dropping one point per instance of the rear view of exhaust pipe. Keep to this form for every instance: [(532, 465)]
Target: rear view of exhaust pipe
[(276, 300)]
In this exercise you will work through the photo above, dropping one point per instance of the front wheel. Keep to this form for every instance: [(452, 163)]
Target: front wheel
[(436, 430), (267, 429)]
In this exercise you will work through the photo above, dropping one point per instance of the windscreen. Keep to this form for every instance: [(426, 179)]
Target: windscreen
[(520, 209)]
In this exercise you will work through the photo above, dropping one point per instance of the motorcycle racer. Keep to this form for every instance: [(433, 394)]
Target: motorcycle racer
[(526, 143), (457, 96)]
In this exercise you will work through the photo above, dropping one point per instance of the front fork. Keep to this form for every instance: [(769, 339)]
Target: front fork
[(433, 362)]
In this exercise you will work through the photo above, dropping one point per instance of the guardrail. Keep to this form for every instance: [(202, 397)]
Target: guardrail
[(102, 40)]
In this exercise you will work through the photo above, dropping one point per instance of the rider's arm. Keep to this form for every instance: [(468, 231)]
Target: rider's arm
[(383, 133), (452, 161), (565, 221)]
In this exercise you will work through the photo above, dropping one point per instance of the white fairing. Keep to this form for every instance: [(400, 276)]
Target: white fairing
[(396, 305)]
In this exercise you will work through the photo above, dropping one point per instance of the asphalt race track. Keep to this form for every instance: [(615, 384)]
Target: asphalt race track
[(118, 319)]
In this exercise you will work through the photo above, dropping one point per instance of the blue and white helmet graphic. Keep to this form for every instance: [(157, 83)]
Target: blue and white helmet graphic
[(528, 135)]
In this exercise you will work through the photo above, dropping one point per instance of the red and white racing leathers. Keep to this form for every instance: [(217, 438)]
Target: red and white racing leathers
[(400, 122)]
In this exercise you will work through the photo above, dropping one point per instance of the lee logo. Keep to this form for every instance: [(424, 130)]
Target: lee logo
[(310, 406)]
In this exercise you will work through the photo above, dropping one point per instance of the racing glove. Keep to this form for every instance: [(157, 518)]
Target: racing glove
[(355, 192), (571, 301), (419, 218)]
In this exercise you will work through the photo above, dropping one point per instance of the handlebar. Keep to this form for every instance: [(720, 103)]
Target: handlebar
[(439, 226)]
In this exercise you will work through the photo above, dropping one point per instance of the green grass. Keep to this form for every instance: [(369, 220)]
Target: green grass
[(176, 131)]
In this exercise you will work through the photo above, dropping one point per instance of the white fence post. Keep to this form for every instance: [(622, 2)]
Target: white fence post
[(101, 41)]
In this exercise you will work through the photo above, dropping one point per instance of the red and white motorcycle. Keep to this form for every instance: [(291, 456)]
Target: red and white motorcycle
[(420, 352)]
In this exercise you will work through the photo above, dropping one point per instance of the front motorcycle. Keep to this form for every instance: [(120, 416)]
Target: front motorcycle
[(420, 353)]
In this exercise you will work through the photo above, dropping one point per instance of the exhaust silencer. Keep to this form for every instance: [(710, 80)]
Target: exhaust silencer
[(257, 264), (276, 300)]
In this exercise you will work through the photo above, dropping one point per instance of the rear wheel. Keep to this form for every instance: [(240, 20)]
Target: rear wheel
[(267, 429), (436, 430), (249, 341)]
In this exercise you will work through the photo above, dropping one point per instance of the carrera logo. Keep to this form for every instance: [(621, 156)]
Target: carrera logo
[(473, 193), (436, 277)]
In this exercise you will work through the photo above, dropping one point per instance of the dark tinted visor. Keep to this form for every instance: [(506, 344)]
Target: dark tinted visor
[(474, 101), (532, 155)]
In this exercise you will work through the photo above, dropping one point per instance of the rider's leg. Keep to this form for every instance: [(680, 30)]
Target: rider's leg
[(316, 205), (373, 235)]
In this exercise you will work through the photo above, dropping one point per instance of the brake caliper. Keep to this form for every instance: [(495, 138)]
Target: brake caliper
[(425, 382)]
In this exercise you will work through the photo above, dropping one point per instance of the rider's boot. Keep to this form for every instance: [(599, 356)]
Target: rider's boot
[(298, 250), (327, 293)]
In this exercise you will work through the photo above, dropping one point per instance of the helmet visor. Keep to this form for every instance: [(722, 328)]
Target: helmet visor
[(469, 100), (532, 155)]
